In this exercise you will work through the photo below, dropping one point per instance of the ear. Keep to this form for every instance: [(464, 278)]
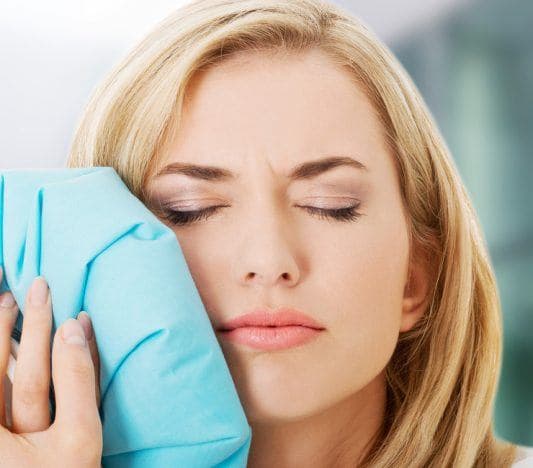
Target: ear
[(416, 292)]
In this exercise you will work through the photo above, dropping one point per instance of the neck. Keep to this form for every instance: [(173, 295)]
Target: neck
[(338, 436)]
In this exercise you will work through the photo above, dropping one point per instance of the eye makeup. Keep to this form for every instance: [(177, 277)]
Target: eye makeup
[(181, 212), (186, 217)]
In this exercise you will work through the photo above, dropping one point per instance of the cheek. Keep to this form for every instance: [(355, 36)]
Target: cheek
[(361, 302), (366, 271), (204, 258)]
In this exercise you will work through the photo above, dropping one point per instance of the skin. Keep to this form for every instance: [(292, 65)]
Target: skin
[(317, 404), (260, 115)]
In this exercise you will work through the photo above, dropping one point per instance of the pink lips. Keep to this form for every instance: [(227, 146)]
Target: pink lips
[(270, 330)]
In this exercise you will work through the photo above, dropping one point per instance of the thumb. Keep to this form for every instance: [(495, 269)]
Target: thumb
[(74, 383)]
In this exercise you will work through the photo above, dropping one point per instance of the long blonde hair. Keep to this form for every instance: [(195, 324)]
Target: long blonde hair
[(443, 375)]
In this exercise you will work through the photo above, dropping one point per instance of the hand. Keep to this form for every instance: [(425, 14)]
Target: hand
[(74, 439)]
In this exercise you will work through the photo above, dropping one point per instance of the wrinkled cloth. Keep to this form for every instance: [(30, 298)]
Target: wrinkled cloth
[(167, 396)]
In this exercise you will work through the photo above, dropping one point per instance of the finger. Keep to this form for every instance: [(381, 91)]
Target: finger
[(31, 412), (74, 384), (85, 321), (8, 316)]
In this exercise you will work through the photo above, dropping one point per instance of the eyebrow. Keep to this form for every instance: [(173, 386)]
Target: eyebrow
[(306, 170)]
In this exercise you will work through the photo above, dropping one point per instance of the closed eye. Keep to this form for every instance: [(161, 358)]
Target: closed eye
[(182, 218)]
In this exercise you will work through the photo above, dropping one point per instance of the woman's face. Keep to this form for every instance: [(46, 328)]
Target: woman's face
[(260, 118)]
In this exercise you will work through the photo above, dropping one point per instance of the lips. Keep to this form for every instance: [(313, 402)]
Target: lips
[(264, 317), (271, 338)]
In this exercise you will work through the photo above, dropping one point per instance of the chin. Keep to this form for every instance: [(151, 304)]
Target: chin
[(271, 393), (264, 409)]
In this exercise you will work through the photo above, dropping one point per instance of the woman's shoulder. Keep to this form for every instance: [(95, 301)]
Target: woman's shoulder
[(524, 457)]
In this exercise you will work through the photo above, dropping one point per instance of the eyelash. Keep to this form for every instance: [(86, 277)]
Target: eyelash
[(181, 218)]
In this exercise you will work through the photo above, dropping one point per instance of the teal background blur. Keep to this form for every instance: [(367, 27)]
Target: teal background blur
[(475, 71)]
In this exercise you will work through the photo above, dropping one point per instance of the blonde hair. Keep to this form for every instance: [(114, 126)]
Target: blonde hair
[(443, 375)]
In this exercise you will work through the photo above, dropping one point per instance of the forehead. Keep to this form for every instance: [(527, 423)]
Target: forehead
[(280, 108)]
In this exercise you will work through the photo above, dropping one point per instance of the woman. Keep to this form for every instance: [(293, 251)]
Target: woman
[(299, 167)]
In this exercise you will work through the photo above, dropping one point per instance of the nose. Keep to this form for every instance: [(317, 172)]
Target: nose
[(267, 253), (267, 279)]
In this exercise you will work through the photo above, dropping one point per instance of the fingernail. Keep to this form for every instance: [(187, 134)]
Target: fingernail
[(85, 321), (72, 332), (7, 300), (39, 291)]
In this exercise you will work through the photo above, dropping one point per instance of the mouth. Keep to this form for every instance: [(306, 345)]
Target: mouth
[(270, 329), (270, 338), (265, 317)]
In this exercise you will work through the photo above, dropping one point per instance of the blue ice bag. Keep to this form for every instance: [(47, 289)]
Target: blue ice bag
[(167, 397)]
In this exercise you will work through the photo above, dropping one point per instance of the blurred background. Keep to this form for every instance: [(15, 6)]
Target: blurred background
[(474, 68), (472, 61)]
